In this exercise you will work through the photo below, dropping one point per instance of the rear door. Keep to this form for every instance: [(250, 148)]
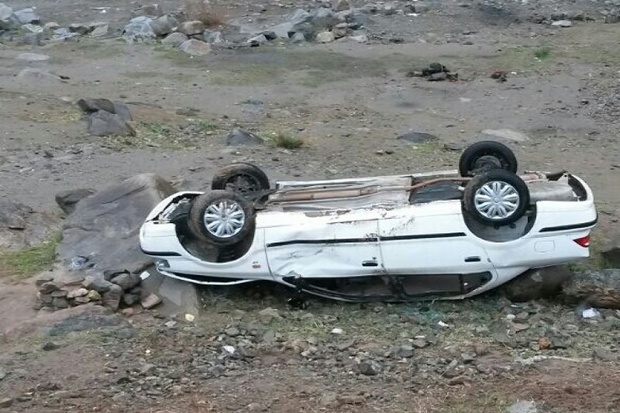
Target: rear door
[(337, 245)]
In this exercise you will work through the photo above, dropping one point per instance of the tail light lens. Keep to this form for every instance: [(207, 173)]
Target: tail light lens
[(583, 241)]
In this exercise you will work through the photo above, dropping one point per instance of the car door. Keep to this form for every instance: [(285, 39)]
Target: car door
[(326, 245), (430, 239)]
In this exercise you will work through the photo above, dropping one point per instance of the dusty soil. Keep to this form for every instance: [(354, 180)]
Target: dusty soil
[(348, 102)]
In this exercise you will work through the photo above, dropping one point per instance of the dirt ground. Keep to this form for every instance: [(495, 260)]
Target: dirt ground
[(348, 102)]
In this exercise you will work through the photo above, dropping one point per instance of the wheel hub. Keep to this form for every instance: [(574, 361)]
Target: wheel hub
[(224, 219), (496, 200)]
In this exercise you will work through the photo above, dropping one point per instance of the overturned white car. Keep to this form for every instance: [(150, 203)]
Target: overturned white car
[(450, 235)]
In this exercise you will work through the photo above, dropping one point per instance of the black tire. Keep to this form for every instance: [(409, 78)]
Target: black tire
[(236, 233), (242, 177), (487, 155), (506, 179)]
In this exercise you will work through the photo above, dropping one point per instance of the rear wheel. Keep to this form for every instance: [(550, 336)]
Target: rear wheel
[(484, 156), (221, 217), (496, 197), (241, 177)]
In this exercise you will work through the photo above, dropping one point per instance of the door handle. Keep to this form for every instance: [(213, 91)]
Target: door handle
[(370, 263)]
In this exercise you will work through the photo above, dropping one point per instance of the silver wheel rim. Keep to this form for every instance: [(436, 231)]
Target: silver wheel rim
[(224, 219), (496, 200)]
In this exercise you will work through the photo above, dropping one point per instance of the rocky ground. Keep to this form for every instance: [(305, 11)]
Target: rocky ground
[(328, 91)]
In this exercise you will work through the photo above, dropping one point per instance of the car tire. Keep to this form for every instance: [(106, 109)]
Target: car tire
[(222, 218), (496, 197), (486, 155), (241, 177)]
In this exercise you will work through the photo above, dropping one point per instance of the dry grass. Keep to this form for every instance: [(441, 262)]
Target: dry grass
[(25, 263), (202, 11), (283, 140)]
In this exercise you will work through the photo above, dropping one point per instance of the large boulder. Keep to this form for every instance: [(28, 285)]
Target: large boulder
[(102, 232), (611, 251), (537, 284), (600, 289)]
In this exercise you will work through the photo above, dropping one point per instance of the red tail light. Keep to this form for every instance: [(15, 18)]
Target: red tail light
[(583, 241)]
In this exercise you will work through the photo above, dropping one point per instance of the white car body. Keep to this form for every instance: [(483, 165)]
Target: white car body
[(428, 247)]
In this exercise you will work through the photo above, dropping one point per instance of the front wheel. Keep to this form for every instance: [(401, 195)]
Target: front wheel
[(483, 156), (242, 177), (496, 197), (221, 218)]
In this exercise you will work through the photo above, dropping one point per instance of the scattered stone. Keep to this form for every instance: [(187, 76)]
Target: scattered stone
[(150, 301), (341, 5), (100, 31), (329, 399), (298, 38), (232, 332), (5, 15), (139, 30), (404, 352), (105, 226), (522, 406), (6, 402), (80, 292), (269, 314), (49, 346), (30, 74), (418, 137), (131, 299), (562, 23), (51, 26), (507, 134), (32, 28), (611, 251), (195, 47), (240, 137), (192, 28), (360, 38), (81, 29), (164, 25), (33, 57), (62, 34), (32, 39), (258, 40), (213, 37), (97, 283), (48, 287), (26, 16), (113, 297), (537, 284), (67, 200), (43, 278), (126, 280), (93, 296), (325, 37), (369, 368), (605, 355), (174, 39)]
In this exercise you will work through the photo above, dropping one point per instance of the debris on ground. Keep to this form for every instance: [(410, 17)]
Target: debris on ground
[(434, 72)]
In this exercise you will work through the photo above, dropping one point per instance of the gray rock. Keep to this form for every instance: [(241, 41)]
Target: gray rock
[(50, 26), (174, 40), (23, 227), (598, 289), (139, 30), (105, 226), (49, 346), (192, 28), (341, 5), (100, 31), (360, 38), (63, 34), (369, 368), (32, 28), (32, 39), (611, 251), (150, 301), (232, 331), (325, 37), (324, 19), (5, 16), (240, 137), (420, 7), (418, 137), (48, 287), (258, 40), (97, 283), (131, 299), (269, 314), (80, 28), (26, 16), (605, 354), (213, 37), (522, 406), (195, 47), (164, 25), (537, 284), (404, 351), (99, 104), (32, 57), (562, 23), (112, 298), (150, 10), (67, 200), (6, 402), (127, 281), (298, 38), (177, 296), (102, 123), (79, 292)]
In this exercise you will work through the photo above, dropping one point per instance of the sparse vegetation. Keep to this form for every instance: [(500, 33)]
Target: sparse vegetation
[(25, 263), (287, 141), (542, 53), (168, 136), (202, 11)]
